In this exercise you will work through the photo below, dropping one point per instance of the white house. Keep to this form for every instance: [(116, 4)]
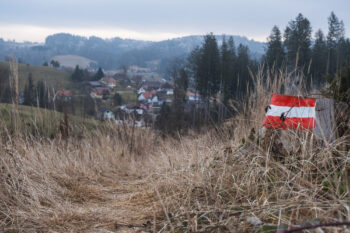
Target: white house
[(170, 92), (141, 90), (141, 98), (139, 111), (153, 100), (105, 114), (108, 115), (146, 96), (109, 82)]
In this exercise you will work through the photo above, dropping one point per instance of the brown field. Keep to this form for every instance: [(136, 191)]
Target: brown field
[(70, 61)]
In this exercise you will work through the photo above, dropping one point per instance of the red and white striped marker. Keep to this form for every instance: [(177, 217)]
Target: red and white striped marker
[(290, 112)]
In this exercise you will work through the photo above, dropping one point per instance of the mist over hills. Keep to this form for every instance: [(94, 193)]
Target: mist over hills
[(116, 52)]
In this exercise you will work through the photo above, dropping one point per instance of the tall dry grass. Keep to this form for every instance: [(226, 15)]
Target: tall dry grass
[(220, 180), (122, 179), (73, 185)]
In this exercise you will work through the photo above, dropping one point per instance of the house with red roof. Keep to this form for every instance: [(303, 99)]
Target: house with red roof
[(65, 95), (193, 96), (108, 82), (147, 96), (100, 92)]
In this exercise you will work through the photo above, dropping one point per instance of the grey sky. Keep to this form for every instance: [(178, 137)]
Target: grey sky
[(33, 20)]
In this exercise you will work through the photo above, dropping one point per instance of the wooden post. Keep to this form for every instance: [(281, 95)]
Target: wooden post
[(325, 127)]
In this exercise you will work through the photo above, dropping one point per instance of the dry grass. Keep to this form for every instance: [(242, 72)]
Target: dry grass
[(72, 185), (129, 180)]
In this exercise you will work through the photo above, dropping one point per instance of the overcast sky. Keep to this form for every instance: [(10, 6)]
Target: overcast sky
[(33, 20)]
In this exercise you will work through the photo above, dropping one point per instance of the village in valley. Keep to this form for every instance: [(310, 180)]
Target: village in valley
[(133, 97)]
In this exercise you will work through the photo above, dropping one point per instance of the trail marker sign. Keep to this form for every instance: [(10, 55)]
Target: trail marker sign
[(290, 112)]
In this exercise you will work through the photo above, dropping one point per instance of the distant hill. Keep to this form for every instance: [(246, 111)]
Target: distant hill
[(70, 61), (116, 52)]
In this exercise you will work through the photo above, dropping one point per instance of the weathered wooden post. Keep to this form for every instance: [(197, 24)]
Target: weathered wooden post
[(325, 127)]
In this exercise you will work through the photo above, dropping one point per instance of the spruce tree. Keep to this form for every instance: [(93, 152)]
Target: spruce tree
[(208, 68), (231, 47), (118, 100), (297, 42), (42, 94), (344, 52), (5, 90), (319, 57), (55, 64), (194, 60), (78, 74), (242, 63), (29, 91), (163, 123), (99, 74), (335, 35), (232, 81), (275, 52), (227, 70), (180, 88), (335, 30)]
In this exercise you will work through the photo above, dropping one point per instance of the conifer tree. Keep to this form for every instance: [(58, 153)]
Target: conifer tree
[(180, 88), (78, 74), (242, 63), (5, 90), (344, 52), (29, 91), (225, 69), (99, 74), (335, 30), (163, 123), (228, 56), (208, 68), (275, 52), (297, 42), (205, 66), (55, 64), (118, 100), (233, 79), (319, 57), (335, 35), (42, 94)]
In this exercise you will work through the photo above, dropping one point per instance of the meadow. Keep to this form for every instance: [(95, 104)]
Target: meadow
[(52, 77)]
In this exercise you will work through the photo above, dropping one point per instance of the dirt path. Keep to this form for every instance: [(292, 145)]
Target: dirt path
[(120, 204)]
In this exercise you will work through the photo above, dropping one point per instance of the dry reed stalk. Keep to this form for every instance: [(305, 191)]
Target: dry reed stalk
[(13, 81)]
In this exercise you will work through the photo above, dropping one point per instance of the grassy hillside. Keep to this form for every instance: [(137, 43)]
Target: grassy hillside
[(42, 122), (227, 179), (52, 77)]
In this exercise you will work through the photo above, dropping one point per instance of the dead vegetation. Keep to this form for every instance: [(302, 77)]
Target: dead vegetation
[(73, 186), (129, 180)]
